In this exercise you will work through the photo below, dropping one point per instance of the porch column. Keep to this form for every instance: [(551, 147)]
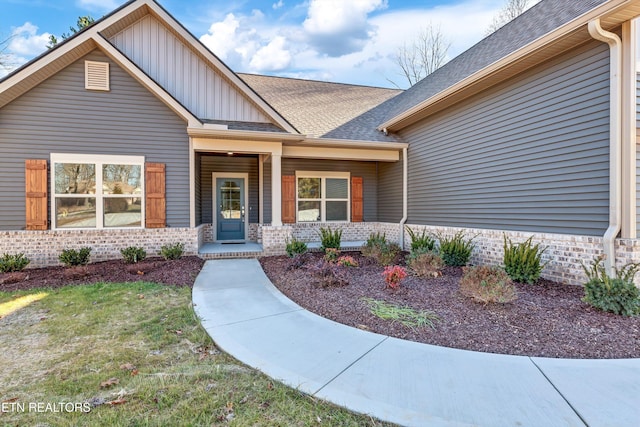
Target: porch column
[(261, 188), (629, 211), (276, 189)]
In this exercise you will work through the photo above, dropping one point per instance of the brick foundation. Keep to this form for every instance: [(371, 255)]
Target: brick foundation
[(44, 247)]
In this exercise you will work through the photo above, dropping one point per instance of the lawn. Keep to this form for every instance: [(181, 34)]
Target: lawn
[(133, 354)]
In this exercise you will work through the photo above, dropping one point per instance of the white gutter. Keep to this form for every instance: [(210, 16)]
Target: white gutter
[(405, 193), (615, 140)]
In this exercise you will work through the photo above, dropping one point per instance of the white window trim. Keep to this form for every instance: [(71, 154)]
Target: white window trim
[(323, 200), (98, 160)]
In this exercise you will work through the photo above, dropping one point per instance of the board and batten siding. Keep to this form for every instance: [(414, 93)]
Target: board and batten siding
[(367, 170), (185, 75), (530, 154), (221, 164), (60, 115)]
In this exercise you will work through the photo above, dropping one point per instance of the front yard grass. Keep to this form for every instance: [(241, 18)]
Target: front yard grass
[(136, 353)]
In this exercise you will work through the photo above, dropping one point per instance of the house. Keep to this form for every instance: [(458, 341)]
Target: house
[(132, 132)]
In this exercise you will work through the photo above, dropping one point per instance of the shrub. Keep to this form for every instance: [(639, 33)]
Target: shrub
[(74, 258), (393, 275), (329, 274), (618, 294), (425, 263), (455, 251), (487, 284), (380, 249), (522, 262), (296, 247), (421, 242), (347, 261), (174, 251), (13, 263), (133, 254), (330, 238), (331, 254)]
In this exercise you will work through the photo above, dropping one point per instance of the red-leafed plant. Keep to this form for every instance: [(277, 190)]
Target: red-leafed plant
[(393, 275)]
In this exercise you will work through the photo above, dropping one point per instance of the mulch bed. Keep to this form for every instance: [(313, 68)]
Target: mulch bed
[(548, 319), (180, 272)]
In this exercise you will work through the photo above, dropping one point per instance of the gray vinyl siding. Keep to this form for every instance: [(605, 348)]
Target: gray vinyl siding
[(218, 164), (60, 116), (184, 74), (638, 189), (367, 170), (197, 177), (531, 154), (390, 191)]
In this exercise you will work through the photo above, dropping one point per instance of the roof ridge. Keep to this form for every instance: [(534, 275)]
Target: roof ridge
[(319, 81)]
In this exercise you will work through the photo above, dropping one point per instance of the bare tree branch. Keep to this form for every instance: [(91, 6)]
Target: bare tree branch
[(427, 53), (511, 10)]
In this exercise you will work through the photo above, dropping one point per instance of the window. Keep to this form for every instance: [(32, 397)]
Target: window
[(322, 196), (96, 191)]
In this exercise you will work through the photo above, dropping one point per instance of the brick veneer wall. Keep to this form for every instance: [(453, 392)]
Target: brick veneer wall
[(44, 247), (252, 235), (563, 255)]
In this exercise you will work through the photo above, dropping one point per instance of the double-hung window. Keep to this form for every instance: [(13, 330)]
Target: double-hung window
[(322, 196), (94, 191)]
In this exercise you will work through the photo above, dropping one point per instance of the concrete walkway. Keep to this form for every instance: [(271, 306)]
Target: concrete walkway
[(400, 381)]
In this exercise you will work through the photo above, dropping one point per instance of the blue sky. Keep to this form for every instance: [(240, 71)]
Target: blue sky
[(351, 41)]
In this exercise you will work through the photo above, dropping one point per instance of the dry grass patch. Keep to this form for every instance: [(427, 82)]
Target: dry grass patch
[(135, 354)]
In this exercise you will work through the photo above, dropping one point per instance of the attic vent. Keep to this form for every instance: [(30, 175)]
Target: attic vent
[(96, 75)]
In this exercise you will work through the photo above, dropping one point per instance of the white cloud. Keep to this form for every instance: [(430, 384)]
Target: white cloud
[(106, 5), (337, 27), (277, 5), (25, 41), (272, 57), (221, 38)]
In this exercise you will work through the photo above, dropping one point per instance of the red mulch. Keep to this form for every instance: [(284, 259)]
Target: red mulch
[(548, 319), (180, 272)]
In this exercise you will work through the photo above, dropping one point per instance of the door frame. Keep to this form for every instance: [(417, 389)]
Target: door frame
[(214, 199)]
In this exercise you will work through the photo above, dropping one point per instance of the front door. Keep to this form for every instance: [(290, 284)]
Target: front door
[(230, 208)]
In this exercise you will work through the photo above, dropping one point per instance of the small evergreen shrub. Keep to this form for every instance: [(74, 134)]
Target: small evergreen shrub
[(330, 238), (522, 262), (12, 263), (455, 251), (618, 294), (487, 284), (74, 258), (380, 249), (421, 242), (425, 263), (133, 254), (295, 247), (174, 251)]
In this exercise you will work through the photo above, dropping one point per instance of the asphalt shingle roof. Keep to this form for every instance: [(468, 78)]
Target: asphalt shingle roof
[(534, 23), (323, 109)]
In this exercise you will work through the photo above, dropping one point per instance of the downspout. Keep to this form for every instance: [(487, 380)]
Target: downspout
[(615, 140), (404, 195)]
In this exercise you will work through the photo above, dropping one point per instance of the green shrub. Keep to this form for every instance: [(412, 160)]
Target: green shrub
[(487, 284), (425, 263), (12, 263), (174, 251), (421, 242), (73, 258), (455, 251), (331, 254), (133, 254), (296, 247), (522, 262), (618, 294), (380, 249), (330, 238)]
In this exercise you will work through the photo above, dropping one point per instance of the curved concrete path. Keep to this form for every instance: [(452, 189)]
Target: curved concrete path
[(400, 381)]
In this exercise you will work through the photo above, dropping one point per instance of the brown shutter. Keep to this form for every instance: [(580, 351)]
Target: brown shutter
[(155, 208), (36, 192), (288, 199), (357, 205)]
